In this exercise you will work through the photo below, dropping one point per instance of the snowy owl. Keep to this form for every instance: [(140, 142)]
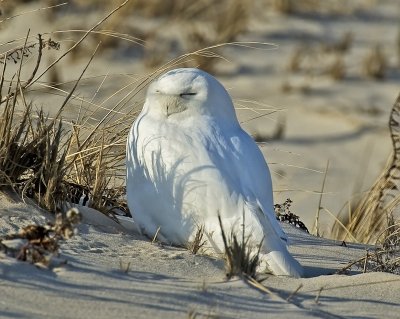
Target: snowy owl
[(188, 161)]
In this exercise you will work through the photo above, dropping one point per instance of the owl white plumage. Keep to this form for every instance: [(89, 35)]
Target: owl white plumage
[(188, 161)]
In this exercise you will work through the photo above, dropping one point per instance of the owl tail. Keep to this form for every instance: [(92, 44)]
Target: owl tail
[(276, 254), (281, 263)]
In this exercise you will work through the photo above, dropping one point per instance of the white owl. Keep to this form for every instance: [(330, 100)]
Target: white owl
[(188, 161)]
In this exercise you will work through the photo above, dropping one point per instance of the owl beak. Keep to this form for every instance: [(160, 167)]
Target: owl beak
[(173, 106)]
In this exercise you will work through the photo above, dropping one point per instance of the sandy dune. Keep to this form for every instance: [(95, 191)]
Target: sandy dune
[(169, 282)]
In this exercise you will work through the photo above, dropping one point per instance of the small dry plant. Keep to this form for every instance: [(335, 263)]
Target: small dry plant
[(375, 64), (385, 257), (194, 314), (241, 257), (337, 70), (236, 15), (198, 241), (283, 214), (312, 61), (38, 244)]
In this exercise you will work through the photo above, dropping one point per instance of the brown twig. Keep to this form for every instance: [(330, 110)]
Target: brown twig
[(320, 201), (73, 89), (155, 235), (318, 295), (294, 292)]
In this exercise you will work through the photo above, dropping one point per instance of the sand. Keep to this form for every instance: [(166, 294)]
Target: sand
[(113, 272)]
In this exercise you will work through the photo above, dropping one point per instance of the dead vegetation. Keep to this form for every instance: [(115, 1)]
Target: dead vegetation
[(53, 160), (283, 214), (322, 59), (385, 256), (328, 60), (375, 64), (369, 214), (198, 242), (241, 257), (199, 22), (374, 217), (39, 244), (31, 155)]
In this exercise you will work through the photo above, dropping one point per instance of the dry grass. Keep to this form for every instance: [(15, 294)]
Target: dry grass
[(318, 60), (44, 157), (31, 159), (241, 258), (369, 216), (375, 64), (199, 23), (337, 70), (198, 241), (385, 257), (236, 15), (195, 314), (317, 215)]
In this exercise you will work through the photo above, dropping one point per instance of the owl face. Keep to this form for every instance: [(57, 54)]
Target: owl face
[(183, 93)]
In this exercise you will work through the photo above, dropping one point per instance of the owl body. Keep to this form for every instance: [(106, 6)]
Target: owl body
[(188, 161)]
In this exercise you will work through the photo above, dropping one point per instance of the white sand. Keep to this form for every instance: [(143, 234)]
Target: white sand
[(168, 282)]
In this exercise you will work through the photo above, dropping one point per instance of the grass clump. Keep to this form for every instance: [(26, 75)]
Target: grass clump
[(241, 258), (375, 64), (50, 159), (31, 159), (385, 257)]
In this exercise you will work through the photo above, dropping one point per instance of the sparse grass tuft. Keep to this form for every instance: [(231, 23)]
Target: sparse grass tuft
[(375, 64), (226, 30), (194, 314), (198, 241), (385, 257), (241, 258), (337, 70)]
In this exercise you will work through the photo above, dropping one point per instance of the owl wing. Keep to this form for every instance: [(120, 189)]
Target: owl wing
[(254, 176), (244, 165)]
